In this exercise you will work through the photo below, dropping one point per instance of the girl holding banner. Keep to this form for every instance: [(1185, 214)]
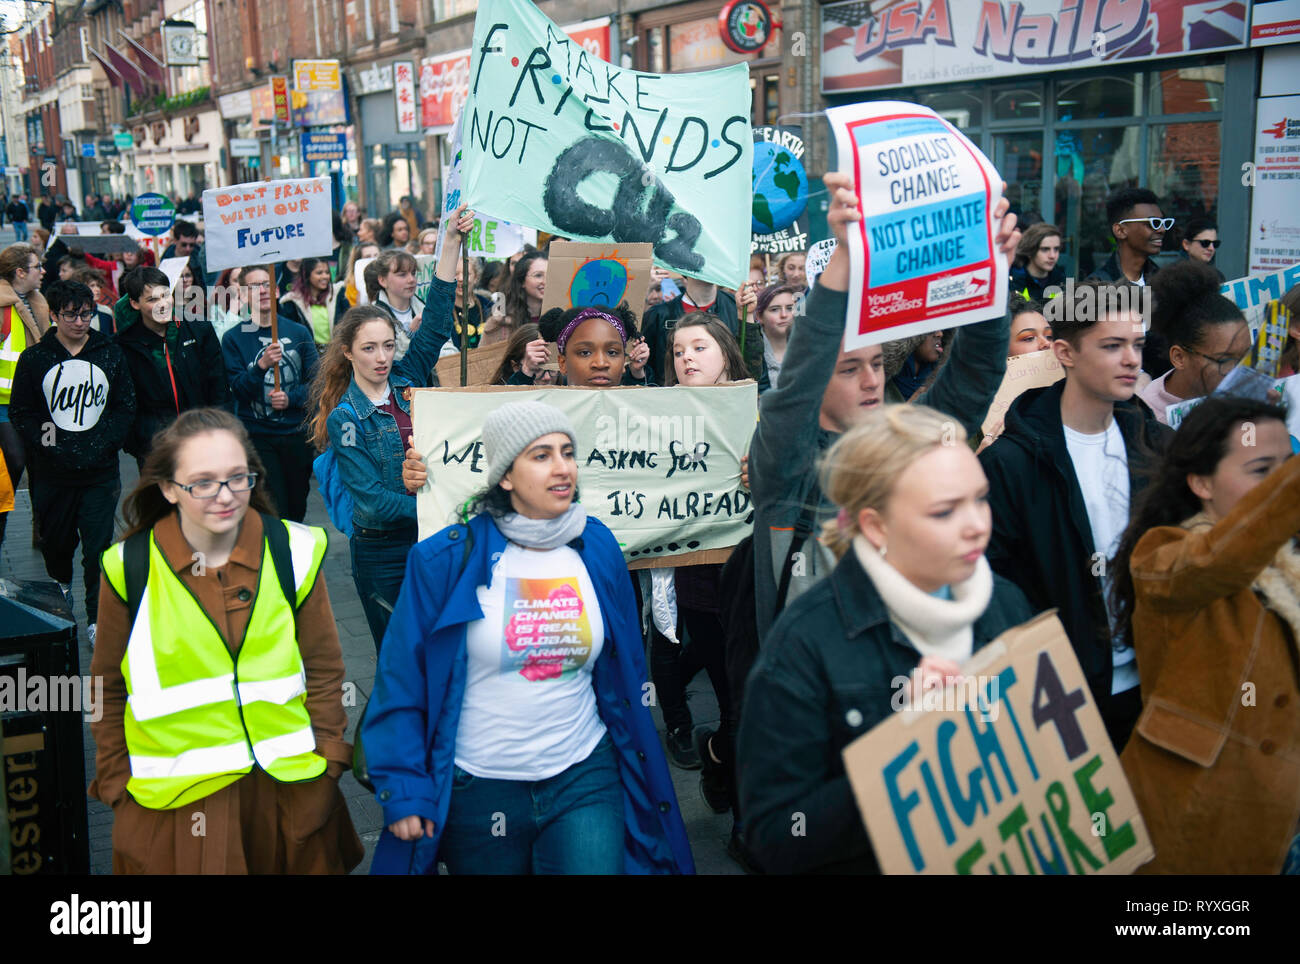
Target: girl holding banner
[(361, 412), (507, 733), (1209, 574), (912, 597)]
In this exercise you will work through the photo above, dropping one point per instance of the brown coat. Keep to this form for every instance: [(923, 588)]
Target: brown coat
[(35, 321), (254, 825), (1215, 760)]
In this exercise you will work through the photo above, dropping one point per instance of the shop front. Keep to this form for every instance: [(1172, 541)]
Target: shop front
[(1069, 111), (393, 154)]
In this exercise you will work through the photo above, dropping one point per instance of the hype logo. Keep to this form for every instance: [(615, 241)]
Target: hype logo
[(77, 393)]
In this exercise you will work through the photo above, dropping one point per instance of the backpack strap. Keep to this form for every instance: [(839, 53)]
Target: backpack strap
[(135, 566), (277, 539), (802, 530)]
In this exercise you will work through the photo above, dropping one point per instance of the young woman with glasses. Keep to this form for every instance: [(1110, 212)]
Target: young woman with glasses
[(223, 676), (1206, 332)]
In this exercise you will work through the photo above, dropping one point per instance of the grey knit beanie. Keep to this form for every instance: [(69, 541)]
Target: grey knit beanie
[(510, 429)]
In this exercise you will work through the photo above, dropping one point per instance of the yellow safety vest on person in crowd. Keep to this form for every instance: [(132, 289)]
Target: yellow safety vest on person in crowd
[(197, 720), (13, 345)]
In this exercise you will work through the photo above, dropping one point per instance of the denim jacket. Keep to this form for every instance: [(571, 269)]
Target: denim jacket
[(370, 456)]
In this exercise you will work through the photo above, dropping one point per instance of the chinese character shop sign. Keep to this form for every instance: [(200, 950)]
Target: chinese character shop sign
[(404, 96)]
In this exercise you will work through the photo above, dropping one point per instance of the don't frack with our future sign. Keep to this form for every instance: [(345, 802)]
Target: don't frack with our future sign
[(593, 152)]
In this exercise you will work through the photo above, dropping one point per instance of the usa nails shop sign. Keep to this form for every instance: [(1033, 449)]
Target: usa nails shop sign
[(899, 43)]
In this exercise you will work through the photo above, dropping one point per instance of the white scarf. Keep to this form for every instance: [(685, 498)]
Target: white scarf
[(936, 627)]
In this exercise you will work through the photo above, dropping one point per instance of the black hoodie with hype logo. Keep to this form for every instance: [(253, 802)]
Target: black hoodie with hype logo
[(73, 411)]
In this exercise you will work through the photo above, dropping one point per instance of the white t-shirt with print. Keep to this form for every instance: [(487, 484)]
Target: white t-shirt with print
[(1101, 466), (529, 711)]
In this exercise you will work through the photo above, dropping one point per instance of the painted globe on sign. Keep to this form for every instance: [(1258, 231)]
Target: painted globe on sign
[(601, 282), (780, 188)]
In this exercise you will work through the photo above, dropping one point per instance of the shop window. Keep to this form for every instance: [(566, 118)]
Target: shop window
[(655, 41), (1021, 103), (771, 98), (1188, 90), (1099, 97), (1090, 164), (963, 109), (1183, 170)]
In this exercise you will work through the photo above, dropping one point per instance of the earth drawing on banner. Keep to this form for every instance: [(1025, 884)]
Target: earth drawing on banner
[(780, 188)]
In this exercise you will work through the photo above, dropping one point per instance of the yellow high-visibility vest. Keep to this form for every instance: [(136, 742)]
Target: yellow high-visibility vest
[(197, 719), (10, 349)]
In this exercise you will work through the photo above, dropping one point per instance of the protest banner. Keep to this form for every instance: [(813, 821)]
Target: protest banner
[(152, 214), (482, 365), (491, 237), (100, 243), (819, 256), (1035, 369), (923, 256), (266, 221), (594, 152), (780, 206), (659, 466), (579, 273), (1253, 292), (1009, 771), (172, 268)]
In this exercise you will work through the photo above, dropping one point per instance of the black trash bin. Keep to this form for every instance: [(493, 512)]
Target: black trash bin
[(43, 702)]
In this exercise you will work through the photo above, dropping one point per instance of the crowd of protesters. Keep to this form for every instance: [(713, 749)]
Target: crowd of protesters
[(887, 539)]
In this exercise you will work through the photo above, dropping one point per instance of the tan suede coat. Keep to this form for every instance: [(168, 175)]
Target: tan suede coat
[(36, 320), (1215, 759), (255, 825)]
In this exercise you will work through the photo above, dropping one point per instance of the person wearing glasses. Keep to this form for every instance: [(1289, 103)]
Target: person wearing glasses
[(73, 404), (1201, 243), (24, 317), (221, 740), (274, 414), (1139, 231), (175, 364), (1206, 333)]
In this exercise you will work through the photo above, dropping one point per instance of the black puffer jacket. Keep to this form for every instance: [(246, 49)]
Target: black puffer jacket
[(1042, 540), (658, 321)]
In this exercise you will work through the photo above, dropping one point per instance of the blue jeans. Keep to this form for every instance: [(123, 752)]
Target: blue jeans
[(378, 569), (20, 231), (571, 823)]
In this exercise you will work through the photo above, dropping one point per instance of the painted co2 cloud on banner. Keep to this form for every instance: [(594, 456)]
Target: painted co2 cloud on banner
[(922, 257), (595, 153)]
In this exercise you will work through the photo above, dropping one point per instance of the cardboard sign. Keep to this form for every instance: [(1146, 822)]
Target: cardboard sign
[(152, 214), (265, 221), (482, 366), (659, 466), (923, 257), (1035, 369), (594, 152), (1008, 772), (578, 273)]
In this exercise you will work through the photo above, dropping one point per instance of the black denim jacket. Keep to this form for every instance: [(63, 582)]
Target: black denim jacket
[(825, 676)]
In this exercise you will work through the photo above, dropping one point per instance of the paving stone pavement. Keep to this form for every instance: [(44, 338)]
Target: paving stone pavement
[(708, 831)]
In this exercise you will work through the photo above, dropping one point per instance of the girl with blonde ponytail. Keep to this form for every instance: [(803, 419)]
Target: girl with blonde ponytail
[(911, 598)]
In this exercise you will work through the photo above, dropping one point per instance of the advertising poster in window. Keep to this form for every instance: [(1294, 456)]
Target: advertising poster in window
[(1275, 202)]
